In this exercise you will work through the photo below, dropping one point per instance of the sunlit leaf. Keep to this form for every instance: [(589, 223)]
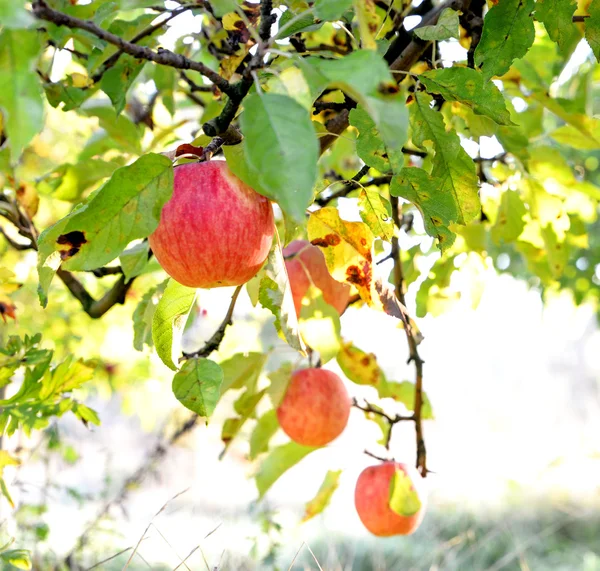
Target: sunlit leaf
[(447, 27), (403, 498), (242, 370), (360, 367), (452, 167), (169, 319), (592, 27), (277, 462), (277, 126), (508, 33), (197, 385), (126, 208), (321, 500), (509, 223), (468, 86), (20, 93), (264, 430), (320, 324), (275, 294)]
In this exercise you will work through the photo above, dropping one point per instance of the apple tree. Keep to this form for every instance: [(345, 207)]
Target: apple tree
[(318, 156)]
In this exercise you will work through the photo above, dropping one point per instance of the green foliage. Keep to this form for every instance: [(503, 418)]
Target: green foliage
[(83, 180), (277, 462), (20, 94), (323, 497), (169, 320), (197, 385), (446, 27), (508, 33)]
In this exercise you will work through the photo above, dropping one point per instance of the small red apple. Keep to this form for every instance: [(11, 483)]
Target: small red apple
[(372, 497), (305, 262), (215, 230), (315, 407)]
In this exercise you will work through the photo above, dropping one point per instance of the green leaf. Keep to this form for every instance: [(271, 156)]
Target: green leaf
[(509, 223), (437, 206), (403, 499), (197, 385), (304, 23), (592, 28), (404, 393), (19, 558), (126, 208), (169, 320), (119, 78), (320, 324), (278, 461), (134, 260), (86, 414), (557, 17), (281, 145), (222, 7), (244, 406), (275, 294), (376, 212), (20, 95), (508, 32), (331, 10), (370, 146), (556, 250), (143, 315), (280, 380), (264, 430), (368, 23), (14, 15), (447, 27), (452, 167), (365, 76), (321, 500), (70, 181), (242, 370), (120, 128), (467, 86)]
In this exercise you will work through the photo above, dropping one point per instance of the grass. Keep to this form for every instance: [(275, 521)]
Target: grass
[(522, 538)]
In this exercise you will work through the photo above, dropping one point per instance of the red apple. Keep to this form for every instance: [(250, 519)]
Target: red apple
[(372, 496), (305, 262), (215, 230), (315, 407)]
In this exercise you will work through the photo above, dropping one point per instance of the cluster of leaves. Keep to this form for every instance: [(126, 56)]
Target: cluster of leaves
[(352, 124)]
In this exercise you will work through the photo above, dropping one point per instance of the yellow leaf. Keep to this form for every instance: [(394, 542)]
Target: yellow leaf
[(368, 23), (360, 367), (28, 198), (80, 80)]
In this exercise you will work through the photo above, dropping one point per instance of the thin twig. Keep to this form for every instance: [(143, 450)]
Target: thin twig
[(162, 56), (412, 347), (213, 343)]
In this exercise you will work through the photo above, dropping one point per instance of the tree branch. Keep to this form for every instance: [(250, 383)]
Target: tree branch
[(239, 90), (412, 346), (213, 343), (112, 60), (162, 57)]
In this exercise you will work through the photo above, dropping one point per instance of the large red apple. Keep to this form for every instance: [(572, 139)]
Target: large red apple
[(315, 407), (306, 263), (215, 230), (372, 497)]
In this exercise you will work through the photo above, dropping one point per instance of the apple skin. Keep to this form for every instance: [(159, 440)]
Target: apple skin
[(371, 498), (215, 231), (315, 407), (309, 261)]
